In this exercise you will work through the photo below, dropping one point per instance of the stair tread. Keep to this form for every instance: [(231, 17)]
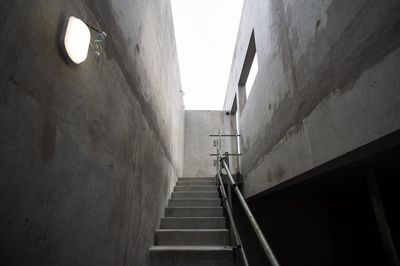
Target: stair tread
[(194, 202), (191, 230), (189, 248), (215, 211), (197, 181), (193, 223), (197, 177), (196, 187), (196, 207), (194, 192), (194, 198), (188, 217)]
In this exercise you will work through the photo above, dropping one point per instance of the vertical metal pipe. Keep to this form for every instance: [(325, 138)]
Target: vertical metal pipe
[(238, 241), (227, 206), (219, 141), (237, 153), (381, 219), (238, 112)]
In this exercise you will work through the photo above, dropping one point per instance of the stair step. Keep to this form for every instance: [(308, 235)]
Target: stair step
[(193, 212), (191, 255), (193, 223), (218, 237), (195, 195), (196, 183), (194, 202), (206, 179), (195, 188)]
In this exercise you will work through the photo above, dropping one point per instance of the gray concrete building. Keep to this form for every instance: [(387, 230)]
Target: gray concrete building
[(320, 127), (101, 165)]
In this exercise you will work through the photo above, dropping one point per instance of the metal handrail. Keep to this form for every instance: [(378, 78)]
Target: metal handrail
[(266, 248), (238, 241)]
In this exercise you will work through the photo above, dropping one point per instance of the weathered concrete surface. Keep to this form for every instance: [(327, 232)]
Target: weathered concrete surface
[(88, 154), (200, 240), (199, 145), (327, 83)]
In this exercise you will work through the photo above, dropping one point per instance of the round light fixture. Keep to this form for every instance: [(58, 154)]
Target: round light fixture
[(76, 40)]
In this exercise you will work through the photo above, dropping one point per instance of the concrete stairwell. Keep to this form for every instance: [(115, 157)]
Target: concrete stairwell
[(193, 231)]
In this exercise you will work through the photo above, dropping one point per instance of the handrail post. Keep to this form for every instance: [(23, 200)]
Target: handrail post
[(229, 188), (236, 241), (218, 147), (226, 156), (237, 154)]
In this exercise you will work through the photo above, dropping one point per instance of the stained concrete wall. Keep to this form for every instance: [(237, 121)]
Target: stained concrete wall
[(88, 153), (199, 145), (327, 83)]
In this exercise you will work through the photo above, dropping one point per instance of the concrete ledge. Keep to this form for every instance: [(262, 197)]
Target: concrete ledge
[(202, 202), (195, 195), (193, 223), (193, 212), (191, 255), (218, 237)]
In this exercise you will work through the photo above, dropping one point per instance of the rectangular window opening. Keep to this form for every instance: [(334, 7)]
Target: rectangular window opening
[(252, 76), (249, 70)]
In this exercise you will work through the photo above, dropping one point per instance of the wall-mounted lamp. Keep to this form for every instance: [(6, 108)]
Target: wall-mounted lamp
[(76, 39)]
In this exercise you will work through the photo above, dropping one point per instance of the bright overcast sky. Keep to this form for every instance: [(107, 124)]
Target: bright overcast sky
[(205, 32)]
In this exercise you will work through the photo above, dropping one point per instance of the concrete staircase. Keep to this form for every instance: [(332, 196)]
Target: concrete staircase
[(193, 231)]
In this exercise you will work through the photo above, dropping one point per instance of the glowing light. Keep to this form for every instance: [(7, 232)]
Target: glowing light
[(76, 40)]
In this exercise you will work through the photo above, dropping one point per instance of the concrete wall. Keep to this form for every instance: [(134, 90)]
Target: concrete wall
[(199, 145), (327, 83), (88, 153)]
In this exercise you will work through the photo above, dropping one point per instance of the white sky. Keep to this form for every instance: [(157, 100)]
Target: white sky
[(205, 32), (252, 75)]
